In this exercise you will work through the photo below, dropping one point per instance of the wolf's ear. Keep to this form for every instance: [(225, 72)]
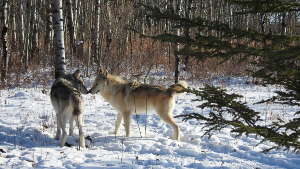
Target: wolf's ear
[(77, 74)]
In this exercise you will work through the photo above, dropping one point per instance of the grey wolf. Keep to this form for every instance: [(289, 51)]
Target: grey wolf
[(67, 102), (133, 97)]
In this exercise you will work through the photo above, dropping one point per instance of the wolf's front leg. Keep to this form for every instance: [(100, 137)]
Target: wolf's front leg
[(127, 120), (167, 117), (118, 122), (71, 126)]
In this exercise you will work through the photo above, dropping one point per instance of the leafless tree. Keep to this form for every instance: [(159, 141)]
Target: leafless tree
[(59, 45), (3, 39)]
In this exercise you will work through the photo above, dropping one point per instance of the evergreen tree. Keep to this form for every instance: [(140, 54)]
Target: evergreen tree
[(276, 58)]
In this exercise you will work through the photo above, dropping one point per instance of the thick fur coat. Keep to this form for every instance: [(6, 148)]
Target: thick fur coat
[(67, 102), (135, 98)]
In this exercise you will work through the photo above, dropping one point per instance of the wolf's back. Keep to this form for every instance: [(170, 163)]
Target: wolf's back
[(64, 94)]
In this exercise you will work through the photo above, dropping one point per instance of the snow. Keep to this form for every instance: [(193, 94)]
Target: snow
[(27, 128)]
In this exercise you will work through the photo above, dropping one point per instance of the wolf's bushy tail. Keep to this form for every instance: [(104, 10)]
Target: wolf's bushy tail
[(179, 87)]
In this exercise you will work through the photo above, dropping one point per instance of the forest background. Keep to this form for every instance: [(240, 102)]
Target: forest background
[(110, 33)]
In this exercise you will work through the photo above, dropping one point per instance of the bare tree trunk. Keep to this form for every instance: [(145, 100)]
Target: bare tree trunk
[(109, 31), (283, 24), (95, 34), (70, 25), (3, 39), (13, 24), (177, 7), (262, 22), (48, 28), (187, 32), (75, 13), (81, 34), (27, 29), (59, 45), (21, 30), (34, 33)]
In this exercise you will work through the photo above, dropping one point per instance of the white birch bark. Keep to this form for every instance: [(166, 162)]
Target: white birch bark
[(95, 34), (59, 45)]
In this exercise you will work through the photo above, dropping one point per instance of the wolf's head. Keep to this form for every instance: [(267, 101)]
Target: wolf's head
[(100, 81), (77, 81)]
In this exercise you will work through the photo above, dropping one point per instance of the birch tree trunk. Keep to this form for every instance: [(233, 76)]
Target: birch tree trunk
[(3, 39), (59, 45), (95, 34), (283, 24), (21, 28), (177, 7)]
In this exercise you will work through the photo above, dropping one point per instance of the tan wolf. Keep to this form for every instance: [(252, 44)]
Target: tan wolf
[(133, 97), (68, 104)]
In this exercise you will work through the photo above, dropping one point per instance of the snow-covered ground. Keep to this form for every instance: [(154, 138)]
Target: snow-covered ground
[(27, 128)]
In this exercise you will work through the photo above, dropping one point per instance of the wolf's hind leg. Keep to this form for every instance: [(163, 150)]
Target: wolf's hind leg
[(71, 126), (64, 131), (58, 126)]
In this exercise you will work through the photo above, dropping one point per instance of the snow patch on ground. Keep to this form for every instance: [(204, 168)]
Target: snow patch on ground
[(27, 128)]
